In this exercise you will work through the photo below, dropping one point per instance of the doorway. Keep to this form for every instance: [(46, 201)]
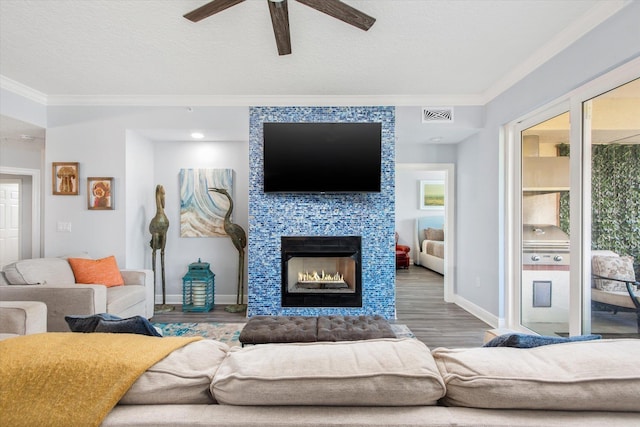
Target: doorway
[(9, 221), (406, 226), (26, 216)]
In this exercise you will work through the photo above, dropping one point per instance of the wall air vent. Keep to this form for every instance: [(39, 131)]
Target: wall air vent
[(437, 114)]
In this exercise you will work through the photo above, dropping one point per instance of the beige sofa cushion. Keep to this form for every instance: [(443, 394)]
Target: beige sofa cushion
[(387, 372), (39, 271), (183, 377), (582, 376), (120, 298)]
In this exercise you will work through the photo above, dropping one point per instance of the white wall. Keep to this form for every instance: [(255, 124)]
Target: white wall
[(426, 153), (140, 199), (169, 158), (21, 108), (108, 142), (480, 209)]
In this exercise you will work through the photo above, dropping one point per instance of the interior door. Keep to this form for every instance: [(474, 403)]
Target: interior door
[(9, 221)]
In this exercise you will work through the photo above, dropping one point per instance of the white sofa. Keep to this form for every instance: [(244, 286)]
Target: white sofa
[(384, 382), (426, 256), (22, 318), (51, 281), (387, 382)]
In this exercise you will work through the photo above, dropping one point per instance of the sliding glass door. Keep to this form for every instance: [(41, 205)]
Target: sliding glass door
[(612, 132), (575, 213), (545, 225)]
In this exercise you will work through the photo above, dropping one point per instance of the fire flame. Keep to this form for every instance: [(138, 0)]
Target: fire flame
[(322, 277)]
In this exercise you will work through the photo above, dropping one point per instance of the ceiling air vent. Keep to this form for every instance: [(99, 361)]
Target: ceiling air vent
[(437, 114)]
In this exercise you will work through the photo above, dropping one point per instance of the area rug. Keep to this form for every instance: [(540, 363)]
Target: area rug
[(229, 333), (402, 331)]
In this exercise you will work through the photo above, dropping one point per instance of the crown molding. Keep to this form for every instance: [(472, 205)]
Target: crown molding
[(263, 100), (597, 15), (22, 90)]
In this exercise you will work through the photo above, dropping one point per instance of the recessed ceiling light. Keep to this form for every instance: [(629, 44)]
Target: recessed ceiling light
[(436, 139), (197, 135)]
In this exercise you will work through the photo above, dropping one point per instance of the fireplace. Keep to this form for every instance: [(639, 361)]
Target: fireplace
[(321, 271)]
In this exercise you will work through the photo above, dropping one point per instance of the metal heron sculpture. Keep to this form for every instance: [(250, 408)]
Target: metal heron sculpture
[(239, 240), (158, 229)]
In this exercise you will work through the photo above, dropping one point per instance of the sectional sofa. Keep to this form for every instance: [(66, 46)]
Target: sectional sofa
[(381, 382), (387, 382)]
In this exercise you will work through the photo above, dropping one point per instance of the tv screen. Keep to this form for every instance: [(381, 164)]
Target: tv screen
[(322, 157)]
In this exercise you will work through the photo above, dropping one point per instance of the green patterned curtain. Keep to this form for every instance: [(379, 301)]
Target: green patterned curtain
[(563, 150), (615, 201)]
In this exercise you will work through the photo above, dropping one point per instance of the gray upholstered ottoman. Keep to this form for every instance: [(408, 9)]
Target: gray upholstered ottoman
[(353, 328), (279, 329), (286, 329)]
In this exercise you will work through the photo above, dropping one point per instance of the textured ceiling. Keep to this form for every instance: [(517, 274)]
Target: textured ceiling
[(419, 52), (465, 48)]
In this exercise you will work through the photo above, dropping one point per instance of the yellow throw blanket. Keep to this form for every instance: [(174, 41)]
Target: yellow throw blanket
[(73, 379)]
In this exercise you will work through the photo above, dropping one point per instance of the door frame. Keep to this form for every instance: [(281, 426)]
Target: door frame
[(513, 163), (36, 197), (449, 212), (580, 205)]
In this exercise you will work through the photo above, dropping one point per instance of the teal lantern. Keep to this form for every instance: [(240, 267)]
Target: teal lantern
[(197, 287)]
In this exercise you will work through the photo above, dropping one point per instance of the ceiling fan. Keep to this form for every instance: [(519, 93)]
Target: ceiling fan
[(280, 16)]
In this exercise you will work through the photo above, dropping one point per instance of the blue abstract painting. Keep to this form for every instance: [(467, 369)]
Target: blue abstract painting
[(202, 211)]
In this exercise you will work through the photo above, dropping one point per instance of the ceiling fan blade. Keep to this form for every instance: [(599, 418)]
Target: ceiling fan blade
[(341, 11), (210, 8), (280, 21)]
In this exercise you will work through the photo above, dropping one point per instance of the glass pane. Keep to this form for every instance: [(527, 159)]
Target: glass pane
[(544, 293), (612, 121)]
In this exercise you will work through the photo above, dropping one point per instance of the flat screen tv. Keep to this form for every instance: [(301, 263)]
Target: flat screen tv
[(322, 157)]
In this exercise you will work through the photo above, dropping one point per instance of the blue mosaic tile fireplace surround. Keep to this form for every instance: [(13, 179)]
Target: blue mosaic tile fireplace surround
[(368, 215)]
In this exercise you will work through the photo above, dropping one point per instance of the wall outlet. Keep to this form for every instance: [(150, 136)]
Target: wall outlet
[(64, 227)]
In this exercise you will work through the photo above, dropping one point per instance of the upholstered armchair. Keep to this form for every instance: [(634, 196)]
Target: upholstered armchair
[(22, 318), (402, 255), (614, 285)]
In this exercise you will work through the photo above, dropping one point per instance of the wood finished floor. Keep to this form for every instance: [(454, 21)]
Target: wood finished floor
[(419, 305)]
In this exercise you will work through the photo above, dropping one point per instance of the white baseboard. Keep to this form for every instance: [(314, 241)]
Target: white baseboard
[(477, 311)]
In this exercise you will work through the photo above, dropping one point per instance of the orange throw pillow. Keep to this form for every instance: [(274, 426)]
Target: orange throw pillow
[(103, 271)]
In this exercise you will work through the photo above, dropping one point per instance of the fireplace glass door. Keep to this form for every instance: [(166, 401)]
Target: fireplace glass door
[(321, 274)]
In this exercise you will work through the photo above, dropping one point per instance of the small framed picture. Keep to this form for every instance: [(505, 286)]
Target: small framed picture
[(65, 176), (100, 193), (431, 194)]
